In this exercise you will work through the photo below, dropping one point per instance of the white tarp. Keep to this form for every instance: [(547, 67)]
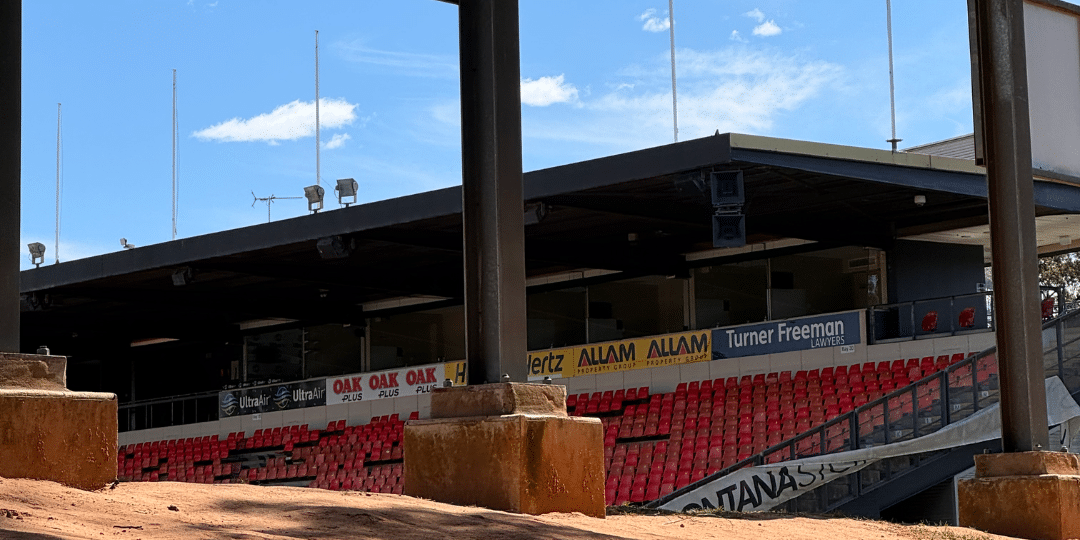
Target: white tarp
[(757, 489)]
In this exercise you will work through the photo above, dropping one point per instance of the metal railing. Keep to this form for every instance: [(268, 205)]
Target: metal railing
[(931, 317), (170, 411), (921, 408)]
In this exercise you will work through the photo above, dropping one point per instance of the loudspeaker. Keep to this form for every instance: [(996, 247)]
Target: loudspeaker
[(729, 230), (727, 188)]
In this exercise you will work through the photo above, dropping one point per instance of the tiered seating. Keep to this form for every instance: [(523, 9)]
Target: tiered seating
[(653, 443), (366, 457), (662, 442)]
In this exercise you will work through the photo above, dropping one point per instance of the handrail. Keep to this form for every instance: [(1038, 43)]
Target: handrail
[(848, 423), (892, 328)]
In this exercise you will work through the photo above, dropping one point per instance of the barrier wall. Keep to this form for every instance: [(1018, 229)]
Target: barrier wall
[(688, 357)]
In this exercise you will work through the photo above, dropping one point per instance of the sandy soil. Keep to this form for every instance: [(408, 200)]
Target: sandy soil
[(40, 510)]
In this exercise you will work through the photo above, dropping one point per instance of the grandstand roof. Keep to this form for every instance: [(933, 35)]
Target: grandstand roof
[(411, 246)]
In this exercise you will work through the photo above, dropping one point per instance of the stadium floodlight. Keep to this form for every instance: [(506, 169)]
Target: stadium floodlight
[(37, 253), (314, 196), (346, 187)]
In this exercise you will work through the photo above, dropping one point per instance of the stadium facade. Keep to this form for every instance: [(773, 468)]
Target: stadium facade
[(852, 257)]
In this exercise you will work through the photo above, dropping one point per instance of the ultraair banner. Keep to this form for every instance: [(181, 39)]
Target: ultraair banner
[(392, 383), (277, 397), (622, 355), (799, 334), (759, 489)]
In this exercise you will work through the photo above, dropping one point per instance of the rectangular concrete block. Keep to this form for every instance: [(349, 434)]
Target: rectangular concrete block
[(498, 399), (523, 463), (1024, 494), (66, 437)]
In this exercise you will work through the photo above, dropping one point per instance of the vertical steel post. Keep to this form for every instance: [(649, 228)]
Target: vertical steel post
[(1000, 57), (10, 170), (492, 203)]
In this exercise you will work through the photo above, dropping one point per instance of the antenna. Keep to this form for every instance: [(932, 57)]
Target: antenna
[(318, 174), (892, 87), (674, 108), (56, 250), (175, 162), (268, 200)]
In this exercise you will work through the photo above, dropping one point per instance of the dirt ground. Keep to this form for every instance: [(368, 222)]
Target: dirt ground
[(41, 510)]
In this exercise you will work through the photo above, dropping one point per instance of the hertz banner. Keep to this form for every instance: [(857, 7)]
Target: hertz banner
[(613, 356)]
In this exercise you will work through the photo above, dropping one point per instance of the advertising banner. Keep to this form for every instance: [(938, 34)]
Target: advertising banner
[(277, 397), (614, 356), (392, 383), (822, 331), (758, 489)]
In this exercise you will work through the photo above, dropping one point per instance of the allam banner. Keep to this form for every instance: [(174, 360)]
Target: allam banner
[(800, 334), (622, 355), (276, 397)]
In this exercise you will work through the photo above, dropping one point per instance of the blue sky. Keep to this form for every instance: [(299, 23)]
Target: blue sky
[(596, 81)]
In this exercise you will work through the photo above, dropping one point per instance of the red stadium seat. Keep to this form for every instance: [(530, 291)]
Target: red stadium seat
[(967, 318), (929, 321)]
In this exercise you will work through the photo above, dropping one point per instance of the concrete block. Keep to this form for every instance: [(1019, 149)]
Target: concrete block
[(664, 379), (50, 433), (525, 463), (1026, 494), (498, 399), (722, 369), (698, 371)]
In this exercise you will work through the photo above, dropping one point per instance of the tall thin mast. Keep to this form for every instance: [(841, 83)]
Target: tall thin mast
[(175, 128), (674, 100), (56, 247), (318, 173), (892, 87)]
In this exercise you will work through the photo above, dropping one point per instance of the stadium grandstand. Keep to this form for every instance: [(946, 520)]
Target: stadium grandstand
[(851, 314)]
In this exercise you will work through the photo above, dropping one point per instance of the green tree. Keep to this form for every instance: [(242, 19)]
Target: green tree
[(1061, 271)]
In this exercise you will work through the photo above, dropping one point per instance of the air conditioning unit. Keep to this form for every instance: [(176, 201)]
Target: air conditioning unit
[(861, 264)]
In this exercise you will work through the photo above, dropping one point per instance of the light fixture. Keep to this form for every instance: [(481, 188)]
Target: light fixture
[(346, 187), (124, 242), (334, 247), (920, 200), (535, 213), (182, 276), (37, 253), (314, 196)]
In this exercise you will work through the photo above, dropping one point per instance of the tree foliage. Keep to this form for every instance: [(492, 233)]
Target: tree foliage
[(1061, 271)]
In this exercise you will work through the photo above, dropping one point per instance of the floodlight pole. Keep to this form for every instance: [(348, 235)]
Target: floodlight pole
[(1001, 81), (10, 170), (492, 199)]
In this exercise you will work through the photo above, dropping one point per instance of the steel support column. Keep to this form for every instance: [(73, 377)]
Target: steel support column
[(495, 330), (998, 43), (10, 170)]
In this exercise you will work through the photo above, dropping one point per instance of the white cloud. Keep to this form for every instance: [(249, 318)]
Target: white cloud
[(337, 141), (547, 90), (416, 64), (755, 14), (730, 90), (290, 122), (736, 36), (767, 28), (652, 22)]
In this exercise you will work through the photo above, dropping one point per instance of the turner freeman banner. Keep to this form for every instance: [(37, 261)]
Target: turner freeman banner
[(614, 356), (823, 331)]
